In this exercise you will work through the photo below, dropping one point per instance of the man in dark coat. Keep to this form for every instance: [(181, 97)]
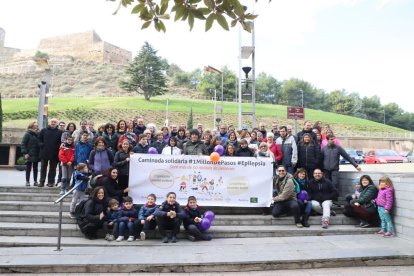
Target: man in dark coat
[(49, 143), (322, 192), (330, 160)]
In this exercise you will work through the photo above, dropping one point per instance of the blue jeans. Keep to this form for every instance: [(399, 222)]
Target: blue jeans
[(123, 225), (305, 207), (386, 223)]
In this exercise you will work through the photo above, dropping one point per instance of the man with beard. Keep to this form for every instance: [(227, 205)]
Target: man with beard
[(321, 193), (285, 196)]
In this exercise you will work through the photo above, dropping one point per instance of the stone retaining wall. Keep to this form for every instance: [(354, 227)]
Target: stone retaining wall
[(403, 211)]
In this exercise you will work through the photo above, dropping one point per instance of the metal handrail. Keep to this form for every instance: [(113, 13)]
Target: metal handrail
[(60, 200)]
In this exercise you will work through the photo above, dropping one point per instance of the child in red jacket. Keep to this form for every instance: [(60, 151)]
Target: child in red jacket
[(67, 157)]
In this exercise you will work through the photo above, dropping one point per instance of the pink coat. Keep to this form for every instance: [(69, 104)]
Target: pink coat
[(385, 198)]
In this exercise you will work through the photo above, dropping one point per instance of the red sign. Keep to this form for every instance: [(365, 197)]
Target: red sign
[(296, 113)]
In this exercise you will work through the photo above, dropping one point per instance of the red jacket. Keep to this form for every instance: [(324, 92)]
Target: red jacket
[(277, 151), (67, 154)]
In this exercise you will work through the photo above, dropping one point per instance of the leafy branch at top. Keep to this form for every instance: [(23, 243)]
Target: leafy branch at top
[(154, 12)]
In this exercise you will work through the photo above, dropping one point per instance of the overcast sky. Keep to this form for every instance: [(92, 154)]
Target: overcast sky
[(364, 46)]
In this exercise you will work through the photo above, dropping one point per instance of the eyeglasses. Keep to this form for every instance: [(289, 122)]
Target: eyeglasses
[(281, 170)]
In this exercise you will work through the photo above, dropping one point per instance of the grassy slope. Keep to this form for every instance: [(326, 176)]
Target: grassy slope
[(133, 105)]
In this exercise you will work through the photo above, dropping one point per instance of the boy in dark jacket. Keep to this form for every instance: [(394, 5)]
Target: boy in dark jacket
[(192, 221), (81, 178), (146, 218), (126, 219), (244, 150), (112, 217), (169, 216)]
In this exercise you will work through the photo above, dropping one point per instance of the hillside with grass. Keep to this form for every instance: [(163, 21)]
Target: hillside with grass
[(19, 112)]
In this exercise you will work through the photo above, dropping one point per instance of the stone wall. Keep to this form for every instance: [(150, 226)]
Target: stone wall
[(115, 54), (403, 211), (86, 46), (366, 144)]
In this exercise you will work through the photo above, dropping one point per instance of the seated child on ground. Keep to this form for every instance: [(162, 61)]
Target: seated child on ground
[(126, 219), (192, 221), (113, 215), (146, 219)]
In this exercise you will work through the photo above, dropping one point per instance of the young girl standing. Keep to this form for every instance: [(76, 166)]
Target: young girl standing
[(384, 202)]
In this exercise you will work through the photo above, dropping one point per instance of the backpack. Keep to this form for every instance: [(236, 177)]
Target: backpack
[(79, 209)]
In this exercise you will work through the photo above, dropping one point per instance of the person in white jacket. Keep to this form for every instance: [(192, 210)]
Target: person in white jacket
[(171, 148)]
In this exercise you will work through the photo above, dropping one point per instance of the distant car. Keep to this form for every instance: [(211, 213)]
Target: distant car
[(410, 156), (353, 153), (383, 156)]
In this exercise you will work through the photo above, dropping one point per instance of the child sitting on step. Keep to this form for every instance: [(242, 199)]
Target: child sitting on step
[(146, 218), (192, 221), (384, 201), (126, 219), (81, 177), (112, 217), (358, 190)]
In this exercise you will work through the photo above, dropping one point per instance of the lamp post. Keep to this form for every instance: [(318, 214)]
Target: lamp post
[(301, 91), (211, 69)]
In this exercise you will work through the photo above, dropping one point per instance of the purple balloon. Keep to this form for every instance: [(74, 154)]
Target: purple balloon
[(219, 149), (303, 195), (152, 150), (205, 224), (209, 215)]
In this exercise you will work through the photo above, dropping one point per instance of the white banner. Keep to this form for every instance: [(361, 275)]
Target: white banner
[(232, 181)]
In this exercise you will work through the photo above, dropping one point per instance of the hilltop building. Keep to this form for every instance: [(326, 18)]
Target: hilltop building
[(65, 49)]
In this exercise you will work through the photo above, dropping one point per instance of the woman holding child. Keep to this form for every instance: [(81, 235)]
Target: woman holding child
[(364, 207)]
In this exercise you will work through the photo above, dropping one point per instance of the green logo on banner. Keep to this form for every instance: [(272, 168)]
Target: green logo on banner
[(253, 200)]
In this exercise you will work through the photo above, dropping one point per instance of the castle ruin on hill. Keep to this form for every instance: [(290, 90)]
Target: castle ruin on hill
[(65, 49)]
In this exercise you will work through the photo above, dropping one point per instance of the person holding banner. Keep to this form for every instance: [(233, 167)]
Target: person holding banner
[(169, 216), (284, 199), (194, 146)]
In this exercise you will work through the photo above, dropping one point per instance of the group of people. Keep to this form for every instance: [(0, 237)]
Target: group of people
[(309, 156), (111, 145), (370, 204), (120, 220)]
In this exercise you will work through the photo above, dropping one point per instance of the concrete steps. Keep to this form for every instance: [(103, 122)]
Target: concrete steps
[(30, 211), (235, 220)]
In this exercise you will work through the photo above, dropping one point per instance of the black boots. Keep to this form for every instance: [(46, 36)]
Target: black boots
[(305, 220)]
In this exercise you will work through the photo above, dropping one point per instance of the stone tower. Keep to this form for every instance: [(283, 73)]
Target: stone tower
[(2, 37)]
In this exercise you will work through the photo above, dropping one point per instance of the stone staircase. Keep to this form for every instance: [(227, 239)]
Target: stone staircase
[(29, 216)]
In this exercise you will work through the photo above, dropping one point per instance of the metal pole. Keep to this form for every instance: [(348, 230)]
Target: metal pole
[(222, 93), (253, 76), (296, 125), (166, 114), (60, 227), (302, 96), (215, 108), (40, 110), (239, 83)]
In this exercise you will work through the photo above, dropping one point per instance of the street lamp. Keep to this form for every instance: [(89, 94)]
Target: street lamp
[(211, 69)]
